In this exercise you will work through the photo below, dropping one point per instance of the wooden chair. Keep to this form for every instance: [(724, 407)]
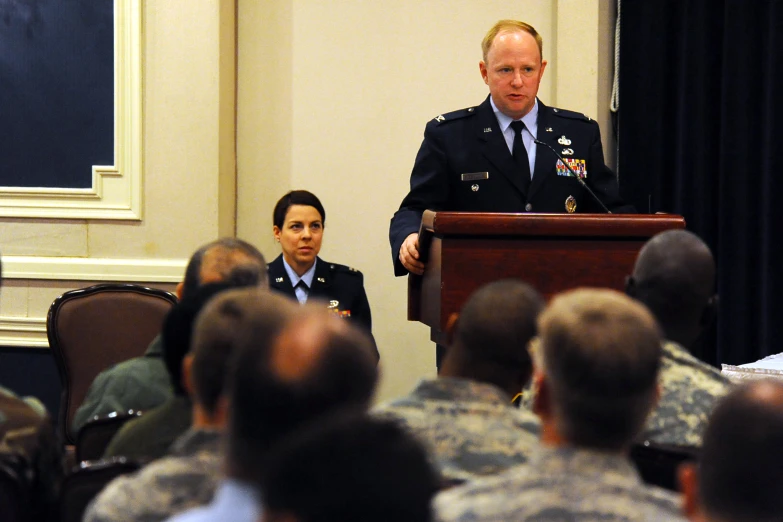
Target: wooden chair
[(658, 463), (95, 436), (93, 328), (81, 486)]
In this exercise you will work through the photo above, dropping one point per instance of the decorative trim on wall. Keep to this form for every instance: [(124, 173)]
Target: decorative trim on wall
[(116, 191), (94, 269), (26, 332)]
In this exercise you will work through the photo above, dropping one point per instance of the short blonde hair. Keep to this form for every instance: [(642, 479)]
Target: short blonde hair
[(510, 26)]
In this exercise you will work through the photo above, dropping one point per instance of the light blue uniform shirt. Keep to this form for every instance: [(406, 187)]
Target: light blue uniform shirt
[(234, 500), (529, 133), (307, 277)]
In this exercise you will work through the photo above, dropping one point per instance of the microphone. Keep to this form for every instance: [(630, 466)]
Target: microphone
[(573, 174)]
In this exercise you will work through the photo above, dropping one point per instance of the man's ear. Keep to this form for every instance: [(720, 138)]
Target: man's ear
[(688, 478), (483, 71), (178, 290), (630, 286), (451, 327), (541, 395), (710, 312), (187, 378)]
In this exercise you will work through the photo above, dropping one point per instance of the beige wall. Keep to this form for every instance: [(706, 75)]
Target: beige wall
[(333, 97), (188, 175), (330, 96)]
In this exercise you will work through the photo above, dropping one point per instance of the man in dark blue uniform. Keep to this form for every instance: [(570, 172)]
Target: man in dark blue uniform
[(485, 159)]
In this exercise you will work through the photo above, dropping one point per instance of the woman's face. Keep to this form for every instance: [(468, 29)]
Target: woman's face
[(300, 236)]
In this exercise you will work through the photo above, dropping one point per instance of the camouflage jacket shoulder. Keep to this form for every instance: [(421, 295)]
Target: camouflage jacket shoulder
[(166, 486), (689, 390), (561, 484), (470, 428)]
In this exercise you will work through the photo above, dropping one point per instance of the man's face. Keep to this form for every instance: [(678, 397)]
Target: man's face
[(513, 72)]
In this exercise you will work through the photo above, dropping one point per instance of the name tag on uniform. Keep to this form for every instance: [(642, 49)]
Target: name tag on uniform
[(474, 176)]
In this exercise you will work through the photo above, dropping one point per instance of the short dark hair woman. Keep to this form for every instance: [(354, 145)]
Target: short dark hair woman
[(299, 219)]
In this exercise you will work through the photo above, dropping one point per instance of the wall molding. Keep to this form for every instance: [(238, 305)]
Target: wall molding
[(116, 191), (94, 269), (24, 332)]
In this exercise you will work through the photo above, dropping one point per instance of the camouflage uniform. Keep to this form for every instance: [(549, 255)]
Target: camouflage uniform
[(140, 383), (470, 428), (559, 484), (689, 390), (185, 479)]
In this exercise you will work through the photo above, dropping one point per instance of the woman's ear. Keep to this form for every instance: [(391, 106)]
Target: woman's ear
[(276, 231)]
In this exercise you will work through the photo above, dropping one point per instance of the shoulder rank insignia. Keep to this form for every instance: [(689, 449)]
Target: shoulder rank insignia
[(440, 117)]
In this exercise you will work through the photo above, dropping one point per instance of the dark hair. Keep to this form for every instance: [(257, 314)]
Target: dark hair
[(296, 197), (217, 335), (178, 326), (674, 276), (601, 351), (266, 407), (493, 330), (350, 468), (741, 465), (239, 272)]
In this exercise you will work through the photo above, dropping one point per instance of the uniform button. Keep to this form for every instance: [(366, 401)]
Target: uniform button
[(528, 207)]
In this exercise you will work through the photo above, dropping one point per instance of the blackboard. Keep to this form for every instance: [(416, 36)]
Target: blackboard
[(56, 91)]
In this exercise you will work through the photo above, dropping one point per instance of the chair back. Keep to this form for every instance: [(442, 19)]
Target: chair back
[(81, 486), (658, 463), (15, 484), (95, 436), (91, 329)]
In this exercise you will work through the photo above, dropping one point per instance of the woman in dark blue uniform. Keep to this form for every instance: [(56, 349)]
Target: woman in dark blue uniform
[(299, 219)]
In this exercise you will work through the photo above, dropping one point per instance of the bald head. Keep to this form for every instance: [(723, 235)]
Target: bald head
[(228, 260), (317, 364), (741, 465), (674, 276), (599, 355), (492, 333)]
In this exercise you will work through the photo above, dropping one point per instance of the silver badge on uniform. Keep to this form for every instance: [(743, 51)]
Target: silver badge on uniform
[(333, 303), (278, 280), (563, 140), (474, 188)]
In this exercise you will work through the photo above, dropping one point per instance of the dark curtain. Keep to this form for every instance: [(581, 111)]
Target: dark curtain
[(700, 133)]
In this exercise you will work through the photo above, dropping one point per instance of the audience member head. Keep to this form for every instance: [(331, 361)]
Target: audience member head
[(349, 468), (224, 260), (219, 333), (491, 336), (597, 363), (674, 277), (316, 365), (741, 465), (178, 330)]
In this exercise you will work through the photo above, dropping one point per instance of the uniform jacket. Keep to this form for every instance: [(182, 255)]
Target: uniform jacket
[(563, 483), (340, 287), (690, 389), (469, 142), (182, 480), (469, 428), (140, 383)]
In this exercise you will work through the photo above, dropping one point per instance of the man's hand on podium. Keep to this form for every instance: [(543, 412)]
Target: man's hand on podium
[(409, 254)]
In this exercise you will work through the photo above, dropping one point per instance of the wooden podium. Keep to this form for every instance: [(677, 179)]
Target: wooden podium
[(552, 252)]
